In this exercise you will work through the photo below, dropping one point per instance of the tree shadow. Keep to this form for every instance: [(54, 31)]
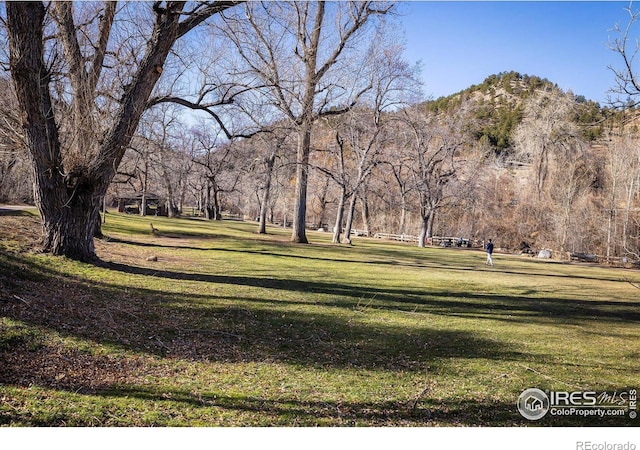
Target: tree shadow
[(411, 412), (245, 251), (205, 328), (196, 326), (285, 410), (392, 258), (14, 212), (520, 308), (200, 327), (208, 405)]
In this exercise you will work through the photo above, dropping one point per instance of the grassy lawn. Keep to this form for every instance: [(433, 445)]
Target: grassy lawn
[(232, 328)]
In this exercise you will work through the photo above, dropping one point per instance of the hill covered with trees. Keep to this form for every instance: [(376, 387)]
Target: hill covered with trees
[(499, 102)]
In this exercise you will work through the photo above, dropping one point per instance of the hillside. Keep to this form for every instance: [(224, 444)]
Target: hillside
[(497, 106)]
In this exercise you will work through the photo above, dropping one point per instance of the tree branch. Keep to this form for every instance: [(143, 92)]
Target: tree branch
[(196, 17), (207, 109), (106, 21)]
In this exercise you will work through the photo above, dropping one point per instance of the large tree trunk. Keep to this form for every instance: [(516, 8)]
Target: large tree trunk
[(70, 230), (143, 203), (172, 208), (69, 204), (69, 197), (217, 209), (212, 208), (403, 214), (304, 137), (422, 238), (431, 218), (426, 231), (302, 175), (208, 209)]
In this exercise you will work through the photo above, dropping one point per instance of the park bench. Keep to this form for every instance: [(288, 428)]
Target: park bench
[(584, 257)]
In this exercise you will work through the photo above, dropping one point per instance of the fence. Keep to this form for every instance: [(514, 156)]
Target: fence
[(440, 241), (396, 237)]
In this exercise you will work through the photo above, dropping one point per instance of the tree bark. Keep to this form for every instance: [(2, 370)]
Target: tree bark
[(304, 136), (69, 198), (350, 213), (426, 231), (337, 228), (68, 204), (403, 214), (264, 206), (298, 233), (364, 201), (430, 223), (423, 233), (217, 210)]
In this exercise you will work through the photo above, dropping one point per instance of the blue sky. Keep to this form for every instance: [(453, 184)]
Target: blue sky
[(461, 43)]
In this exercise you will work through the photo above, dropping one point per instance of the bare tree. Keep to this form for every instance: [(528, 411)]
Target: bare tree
[(394, 84), (362, 132), (547, 131), (14, 173), (141, 171), (74, 165), (399, 162), (340, 175), (322, 196), (299, 52), (357, 152), (168, 155), (275, 143), (622, 189), (571, 183), (434, 146), (627, 81), (221, 164)]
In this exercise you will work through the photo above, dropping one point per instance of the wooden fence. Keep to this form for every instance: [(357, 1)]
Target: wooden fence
[(438, 241)]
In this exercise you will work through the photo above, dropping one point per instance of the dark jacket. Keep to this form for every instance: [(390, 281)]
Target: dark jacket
[(490, 248)]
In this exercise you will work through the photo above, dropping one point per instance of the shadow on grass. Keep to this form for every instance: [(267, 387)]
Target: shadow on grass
[(415, 412), (176, 327), (210, 328), (279, 409), (213, 408), (185, 326), (283, 411), (468, 304), (198, 326), (14, 212), (392, 258)]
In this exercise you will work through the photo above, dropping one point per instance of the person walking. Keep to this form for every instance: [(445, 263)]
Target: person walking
[(489, 249)]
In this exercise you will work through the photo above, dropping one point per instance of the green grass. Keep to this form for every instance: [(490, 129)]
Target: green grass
[(233, 328)]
